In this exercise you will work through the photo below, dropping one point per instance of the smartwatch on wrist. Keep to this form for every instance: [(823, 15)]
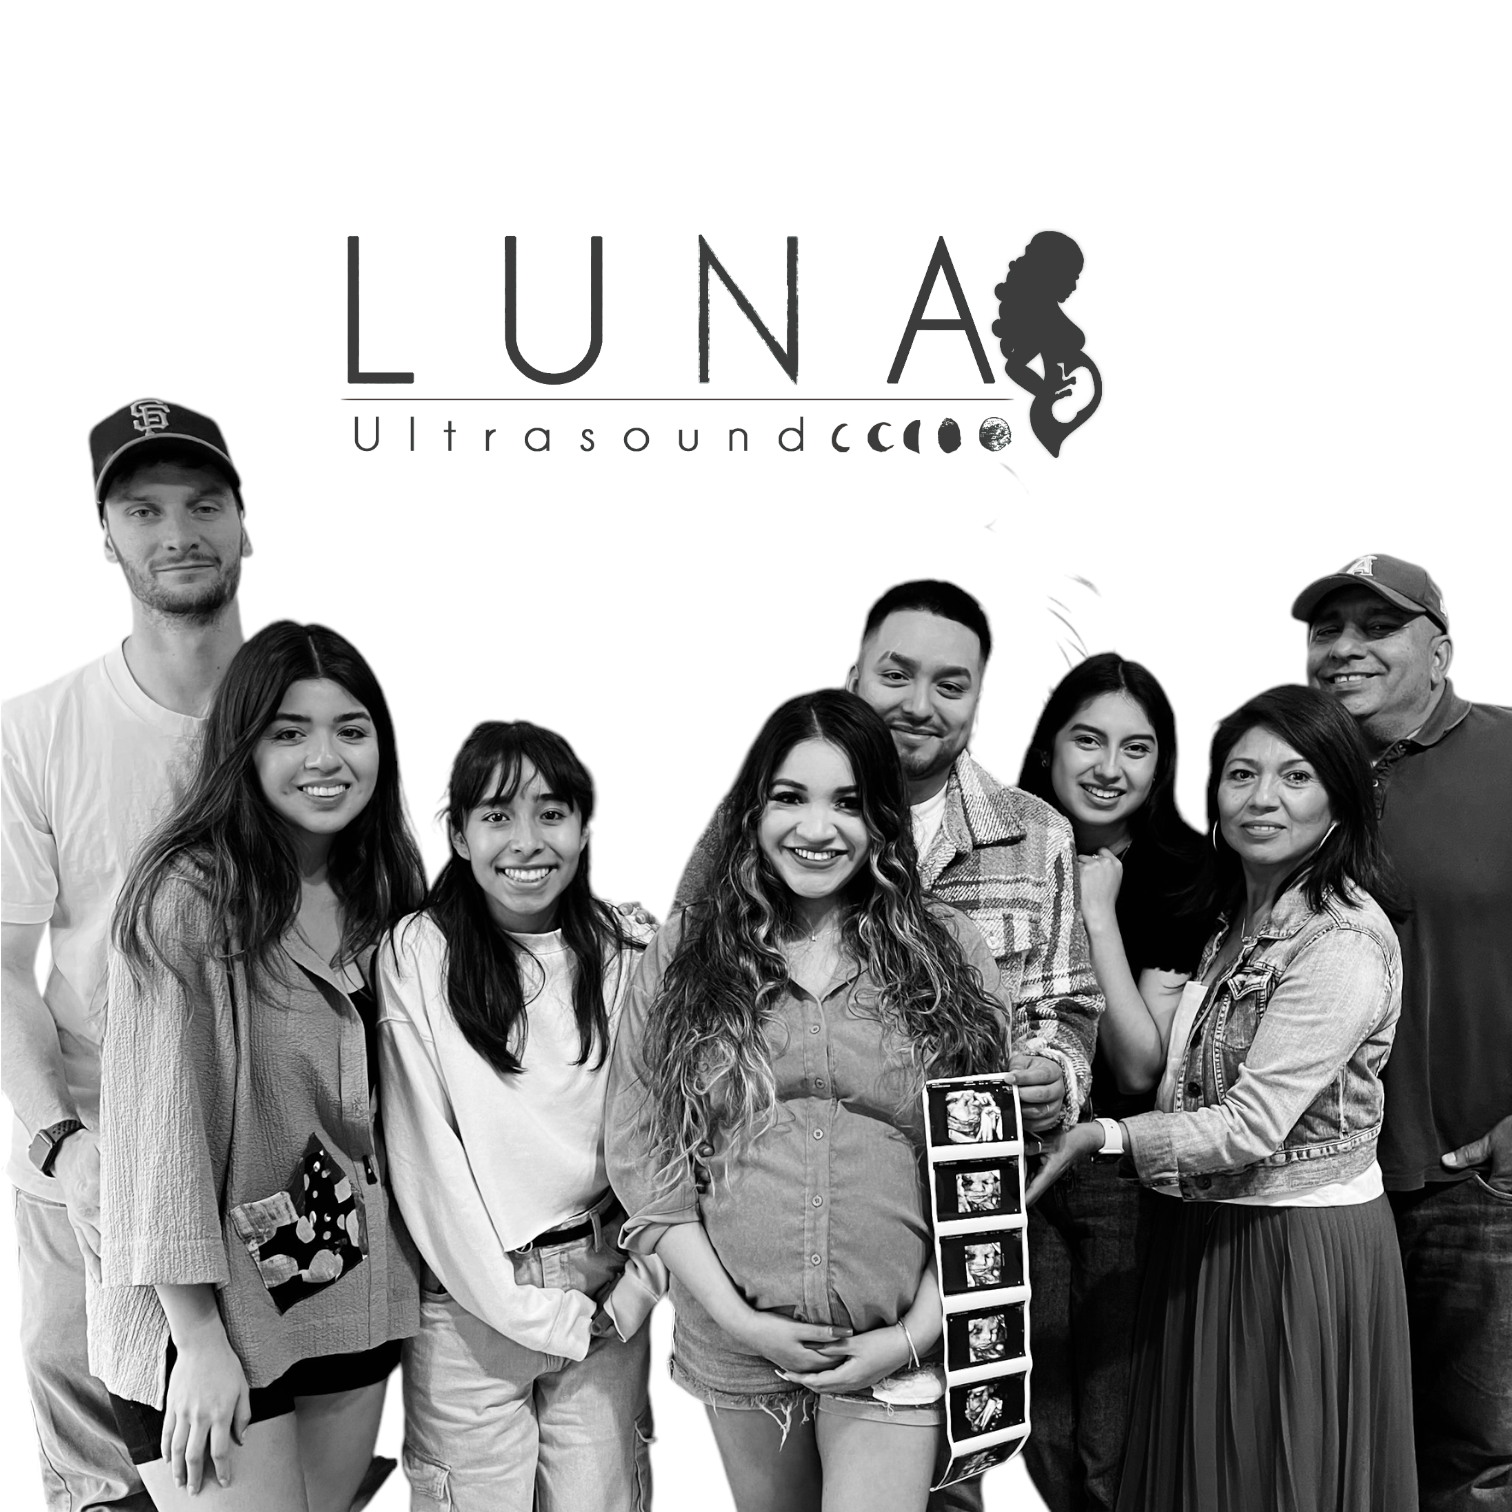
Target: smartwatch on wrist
[(43, 1151), (1113, 1143)]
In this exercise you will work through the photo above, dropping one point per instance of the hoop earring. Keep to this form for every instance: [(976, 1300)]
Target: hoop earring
[(1044, 757), (1214, 836)]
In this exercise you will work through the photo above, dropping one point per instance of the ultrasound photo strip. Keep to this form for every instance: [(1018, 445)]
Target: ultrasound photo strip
[(974, 1134)]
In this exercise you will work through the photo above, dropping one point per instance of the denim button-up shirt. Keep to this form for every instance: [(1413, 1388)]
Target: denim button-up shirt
[(824, 1216), (1280, 1081)]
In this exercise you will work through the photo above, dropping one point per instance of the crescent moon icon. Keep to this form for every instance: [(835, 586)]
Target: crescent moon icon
[(872, 439), (911, 435)]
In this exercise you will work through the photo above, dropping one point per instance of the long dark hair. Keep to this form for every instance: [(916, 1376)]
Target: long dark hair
[(710, 1068), (1156, 823), (482, 962), (1314, 726), (224, 835)]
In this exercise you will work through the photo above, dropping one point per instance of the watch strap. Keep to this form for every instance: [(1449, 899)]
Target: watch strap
[(1113, 1144), (45, 1147)]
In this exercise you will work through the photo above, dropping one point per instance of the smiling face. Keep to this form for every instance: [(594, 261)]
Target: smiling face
[(1272, 808), (1102, 766), (176, 533), (1384, 664), (811, 829), (524, 848), (317, 761), (923, 674)]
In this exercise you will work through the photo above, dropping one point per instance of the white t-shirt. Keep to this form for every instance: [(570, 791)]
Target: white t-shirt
[(927, 819), (89, 768)]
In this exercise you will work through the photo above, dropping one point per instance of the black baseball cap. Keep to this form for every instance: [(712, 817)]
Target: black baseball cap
[(147, 425), (1404, 584)]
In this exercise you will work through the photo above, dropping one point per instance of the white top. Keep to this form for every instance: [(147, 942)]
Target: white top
[(481, 1162), (90, 764), (927, 819), (1365, 1187)]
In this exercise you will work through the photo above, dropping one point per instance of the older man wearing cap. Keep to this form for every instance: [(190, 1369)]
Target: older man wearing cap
[(88, 765), (1378, 641)]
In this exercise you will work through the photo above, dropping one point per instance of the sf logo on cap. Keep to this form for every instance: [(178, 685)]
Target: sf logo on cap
[(1361, 566), (149, 415)]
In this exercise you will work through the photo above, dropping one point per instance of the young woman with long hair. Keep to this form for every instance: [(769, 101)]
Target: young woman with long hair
[(526, 1385), (765, 1131), (255, 1291), (1104, 754), (1271, 1358)]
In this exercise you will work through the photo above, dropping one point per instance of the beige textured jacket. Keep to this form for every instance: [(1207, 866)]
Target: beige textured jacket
[(209, 1101)]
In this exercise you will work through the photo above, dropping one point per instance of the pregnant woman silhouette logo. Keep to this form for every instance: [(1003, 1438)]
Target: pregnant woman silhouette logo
[(1031, 325)]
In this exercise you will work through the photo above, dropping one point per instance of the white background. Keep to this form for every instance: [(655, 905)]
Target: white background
[(1295, 236)]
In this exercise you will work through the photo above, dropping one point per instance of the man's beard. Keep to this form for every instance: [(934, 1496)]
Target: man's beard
[(198, 606)]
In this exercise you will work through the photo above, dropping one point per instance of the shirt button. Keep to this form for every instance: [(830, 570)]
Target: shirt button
[(816, 1260), (1204, 1182), (818, 1201), (819, 1082), (1194, 1089), (813, 1028), (818, 1133)]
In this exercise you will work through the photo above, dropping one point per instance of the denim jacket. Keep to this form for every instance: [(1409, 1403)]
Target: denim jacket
[(1280, 1085)]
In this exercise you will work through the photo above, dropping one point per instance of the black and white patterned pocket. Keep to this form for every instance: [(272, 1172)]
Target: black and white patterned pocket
[(306, 1237)]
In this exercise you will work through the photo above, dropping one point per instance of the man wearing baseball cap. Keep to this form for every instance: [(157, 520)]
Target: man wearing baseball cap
[(1378, 641), (89, 762)]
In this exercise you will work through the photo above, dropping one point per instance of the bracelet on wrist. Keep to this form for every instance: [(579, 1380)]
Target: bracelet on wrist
[(913, 1354)]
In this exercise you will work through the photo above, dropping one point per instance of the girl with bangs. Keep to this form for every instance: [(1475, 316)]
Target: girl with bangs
[(527, 1383), (255, 1286), (765, 1130)]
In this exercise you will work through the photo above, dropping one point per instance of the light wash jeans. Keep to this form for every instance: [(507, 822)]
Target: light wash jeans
[(84, 1463), (491, 1426)]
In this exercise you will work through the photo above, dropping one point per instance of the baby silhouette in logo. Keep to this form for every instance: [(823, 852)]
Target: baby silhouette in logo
[(1032, 324)]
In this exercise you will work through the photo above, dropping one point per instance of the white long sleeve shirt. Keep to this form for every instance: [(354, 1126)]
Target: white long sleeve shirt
[(481, 1162)]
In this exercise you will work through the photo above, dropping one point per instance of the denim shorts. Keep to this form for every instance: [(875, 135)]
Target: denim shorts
[(142, 1426), (709, 1365)]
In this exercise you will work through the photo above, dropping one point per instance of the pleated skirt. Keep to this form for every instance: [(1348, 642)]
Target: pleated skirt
[(1271, 1367)]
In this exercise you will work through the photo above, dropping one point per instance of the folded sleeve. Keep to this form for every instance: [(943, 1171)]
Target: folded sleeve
[(1342, 987), (431, 1170), (653, 1201), (167, 1085)]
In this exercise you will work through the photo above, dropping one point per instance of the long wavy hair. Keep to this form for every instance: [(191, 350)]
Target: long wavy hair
[(1314, 726), (224, 836), (710, 1076), (483, 964), (1157, 822)]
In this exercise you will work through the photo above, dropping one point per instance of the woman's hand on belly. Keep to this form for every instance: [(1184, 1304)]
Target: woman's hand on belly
[(857, 1362), (788, 1344)]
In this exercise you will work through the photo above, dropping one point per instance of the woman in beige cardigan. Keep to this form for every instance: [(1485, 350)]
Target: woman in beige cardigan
[(255, 1291)]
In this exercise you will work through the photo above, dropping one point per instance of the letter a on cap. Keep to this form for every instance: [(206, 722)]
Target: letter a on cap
[(1361, 567)]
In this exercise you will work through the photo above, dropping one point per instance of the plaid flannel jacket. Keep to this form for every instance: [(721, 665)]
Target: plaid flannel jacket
[(1008, 862)]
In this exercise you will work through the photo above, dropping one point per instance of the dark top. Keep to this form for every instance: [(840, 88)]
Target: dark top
[(1446, 820), (367, 1010), (1157, 935)]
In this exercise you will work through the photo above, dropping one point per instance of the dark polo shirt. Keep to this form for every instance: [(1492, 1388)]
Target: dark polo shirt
[(1445, 801)]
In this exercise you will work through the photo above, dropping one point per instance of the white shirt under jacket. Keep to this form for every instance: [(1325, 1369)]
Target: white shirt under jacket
[(481, 1162)]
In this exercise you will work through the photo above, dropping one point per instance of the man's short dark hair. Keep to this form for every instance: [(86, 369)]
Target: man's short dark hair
[(186, 456), (931, 596)]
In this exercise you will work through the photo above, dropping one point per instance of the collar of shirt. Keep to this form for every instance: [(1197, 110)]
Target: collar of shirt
[(979, 811)]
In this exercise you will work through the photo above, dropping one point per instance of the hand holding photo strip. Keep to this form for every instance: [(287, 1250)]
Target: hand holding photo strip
[(976, 1154)]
